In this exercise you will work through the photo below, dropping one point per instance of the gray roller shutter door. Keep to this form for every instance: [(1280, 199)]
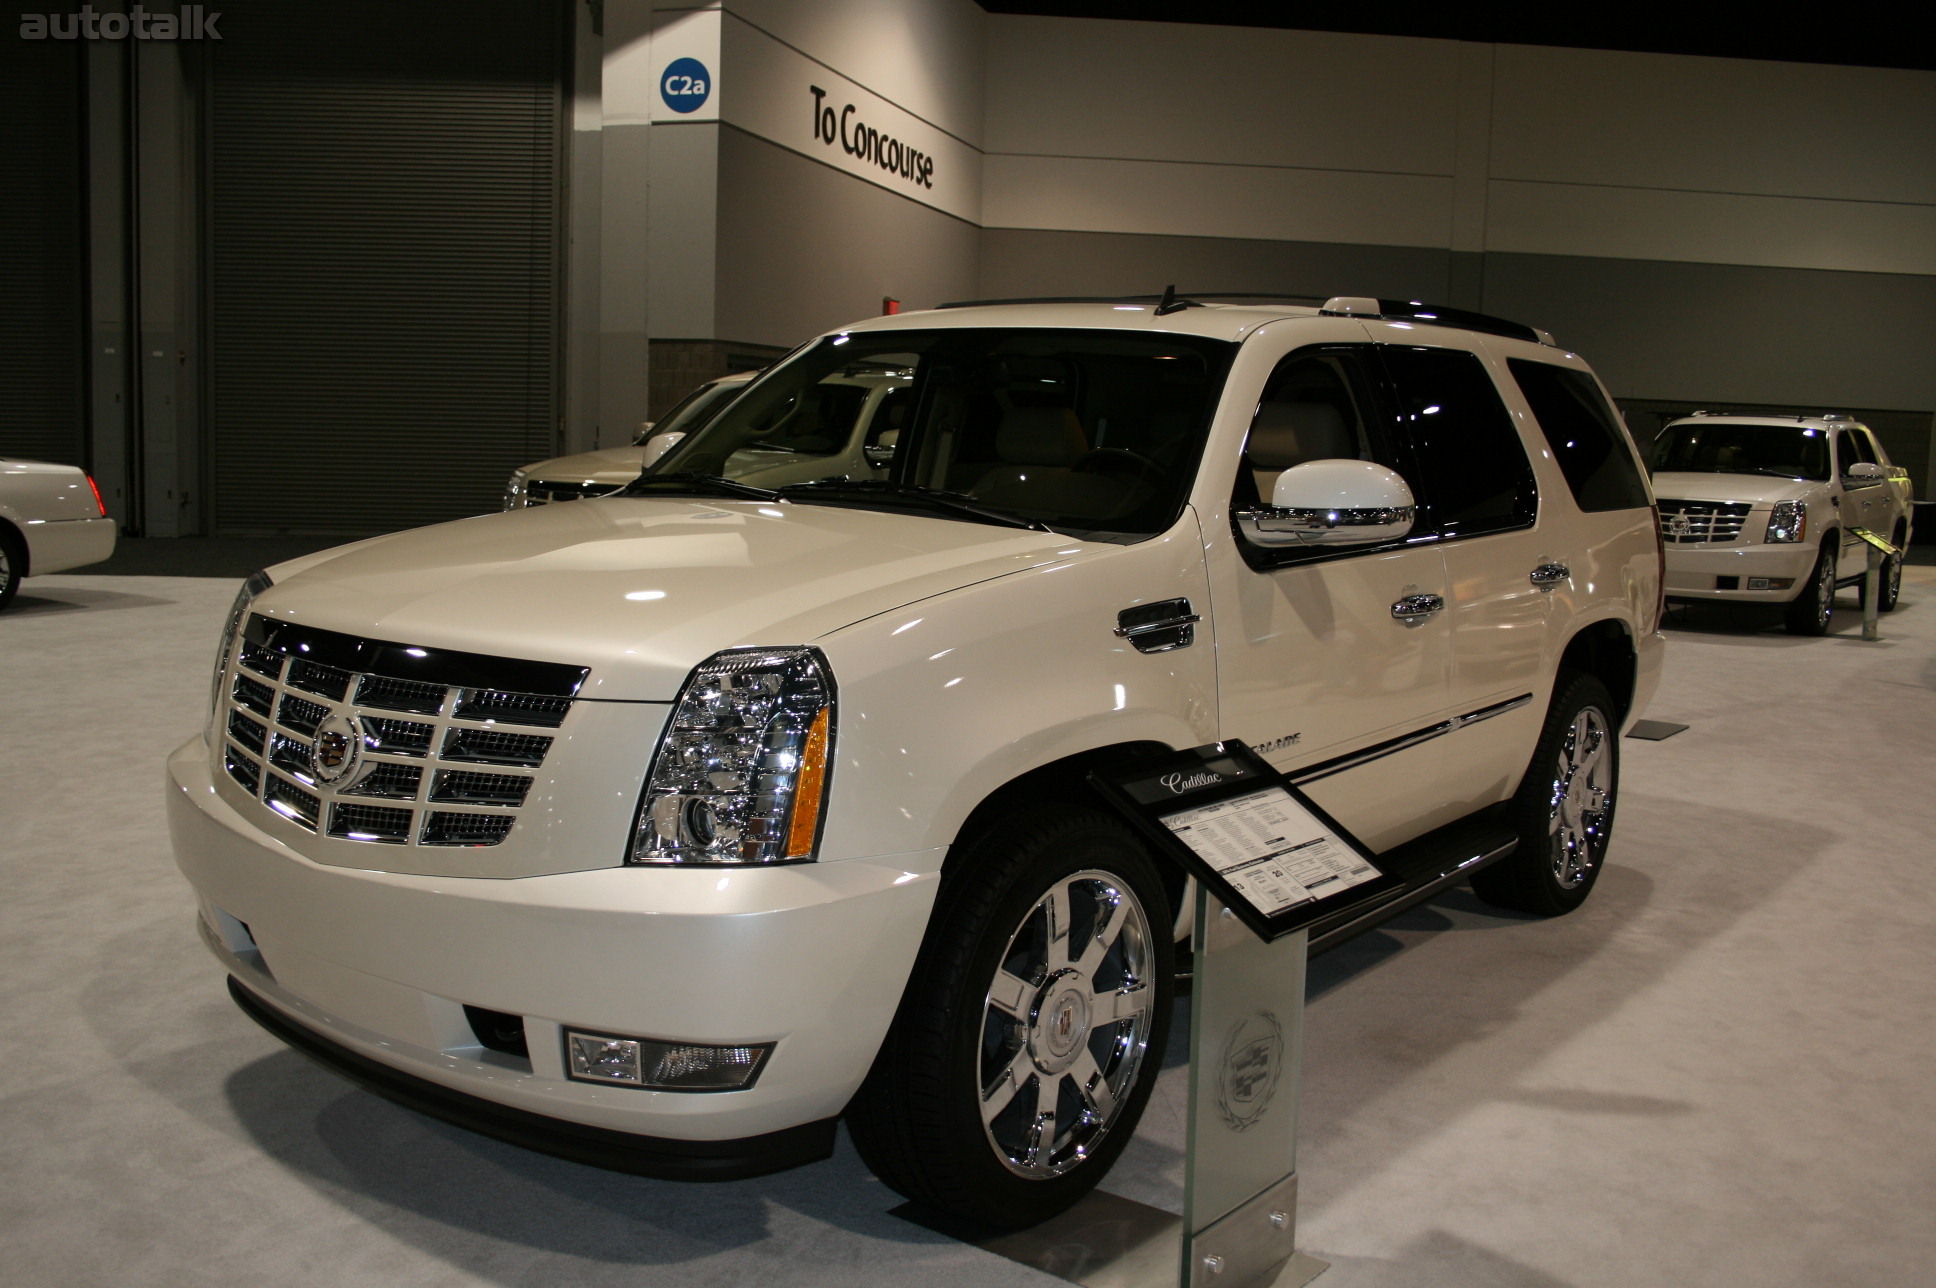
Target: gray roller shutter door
[(43, 260), (383, 249)]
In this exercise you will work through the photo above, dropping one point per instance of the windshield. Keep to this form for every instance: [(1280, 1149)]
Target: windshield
[(1787, 451), (693, 410), (1091, 433)]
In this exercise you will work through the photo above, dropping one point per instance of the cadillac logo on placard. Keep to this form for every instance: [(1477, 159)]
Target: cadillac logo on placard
[(1253, 1064), (338, 751)]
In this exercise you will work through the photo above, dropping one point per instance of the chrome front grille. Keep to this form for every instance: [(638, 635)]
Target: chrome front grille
[(545, 492), (1702, 522), (403, 760)]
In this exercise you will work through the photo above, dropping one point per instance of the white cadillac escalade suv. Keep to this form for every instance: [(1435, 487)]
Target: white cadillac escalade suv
[(661, 830), (1765, 509)]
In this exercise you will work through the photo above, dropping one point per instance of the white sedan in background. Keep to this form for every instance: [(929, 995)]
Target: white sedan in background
[(51, 519)]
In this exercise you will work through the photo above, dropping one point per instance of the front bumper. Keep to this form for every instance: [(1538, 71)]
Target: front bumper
[(380, 966), (1703, 572)]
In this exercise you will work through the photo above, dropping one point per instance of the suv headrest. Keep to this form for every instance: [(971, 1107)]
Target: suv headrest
[(1290, 433), (1040, 436)]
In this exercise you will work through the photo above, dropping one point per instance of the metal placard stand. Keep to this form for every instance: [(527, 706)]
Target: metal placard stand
[(1240, 1163), (1268, 864), (1878, 549)]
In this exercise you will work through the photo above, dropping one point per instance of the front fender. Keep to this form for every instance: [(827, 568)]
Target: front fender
[(946, 700)]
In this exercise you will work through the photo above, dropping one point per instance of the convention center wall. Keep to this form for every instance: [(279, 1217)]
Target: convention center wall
[(388, 253)]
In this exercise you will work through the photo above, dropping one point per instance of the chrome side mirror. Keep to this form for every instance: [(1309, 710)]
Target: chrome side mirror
[(1331, 503), (658, 445), (1864, 474)]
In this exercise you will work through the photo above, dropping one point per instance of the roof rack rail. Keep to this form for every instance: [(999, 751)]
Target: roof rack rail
[(1054, 299), (1174, 297), (1435, 315), (1337, 305), (1761, 415)]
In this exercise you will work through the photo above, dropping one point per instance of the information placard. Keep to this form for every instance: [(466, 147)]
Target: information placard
[(1880, 542), (1259, 844)]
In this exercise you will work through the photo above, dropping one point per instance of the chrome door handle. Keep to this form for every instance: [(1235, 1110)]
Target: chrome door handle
[(1549, 575), (1413, 609)]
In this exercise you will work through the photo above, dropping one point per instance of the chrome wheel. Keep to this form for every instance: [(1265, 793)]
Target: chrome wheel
[(1066, 1024), (1582, 799), (1825, 589)]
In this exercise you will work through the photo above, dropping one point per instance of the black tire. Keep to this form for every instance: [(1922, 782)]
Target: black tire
[(1809, 612), (1888, 581), (13, 565), (1563, 810), (960, 1041)]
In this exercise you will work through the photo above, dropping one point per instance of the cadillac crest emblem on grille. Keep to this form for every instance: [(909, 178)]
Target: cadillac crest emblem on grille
[(1678, 525), (338, 752)]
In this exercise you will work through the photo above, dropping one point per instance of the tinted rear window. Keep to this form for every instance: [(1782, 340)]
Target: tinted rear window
[(1472, 473), (1587, 441)]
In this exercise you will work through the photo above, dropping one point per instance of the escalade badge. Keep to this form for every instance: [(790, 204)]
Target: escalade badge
[(338, 751)]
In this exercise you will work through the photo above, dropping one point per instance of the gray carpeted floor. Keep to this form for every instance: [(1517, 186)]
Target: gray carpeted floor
[(1714, 1074)]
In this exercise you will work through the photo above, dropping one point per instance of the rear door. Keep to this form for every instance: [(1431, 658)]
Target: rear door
[(1479, 500)]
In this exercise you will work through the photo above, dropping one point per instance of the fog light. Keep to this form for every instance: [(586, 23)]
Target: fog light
[(1757, 583), (663, 1066)]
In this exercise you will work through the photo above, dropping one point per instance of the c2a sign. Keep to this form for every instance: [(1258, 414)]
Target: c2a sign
[(685, 85)]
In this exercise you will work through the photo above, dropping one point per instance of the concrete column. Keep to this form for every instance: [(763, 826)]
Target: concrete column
[(1471, 175)]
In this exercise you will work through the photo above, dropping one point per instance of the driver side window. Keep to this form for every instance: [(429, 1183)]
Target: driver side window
[(1317, 406), (1855, 447)]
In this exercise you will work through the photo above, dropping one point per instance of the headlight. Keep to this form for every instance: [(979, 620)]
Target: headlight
[(255, 585), (514, 491), (1789, 522), (741, 772)]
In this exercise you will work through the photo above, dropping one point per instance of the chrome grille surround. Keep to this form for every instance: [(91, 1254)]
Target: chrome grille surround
[(1686, 523), (547, 492), (414, 776)]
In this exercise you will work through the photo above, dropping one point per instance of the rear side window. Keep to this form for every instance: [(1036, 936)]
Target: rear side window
[(1471, 470), (1586, 440)]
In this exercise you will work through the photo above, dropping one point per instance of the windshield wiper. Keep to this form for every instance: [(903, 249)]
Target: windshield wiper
[(956, 504), (701, 484), (1769, 470)]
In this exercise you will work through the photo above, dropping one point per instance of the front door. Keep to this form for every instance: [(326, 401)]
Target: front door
[(1313, 669)]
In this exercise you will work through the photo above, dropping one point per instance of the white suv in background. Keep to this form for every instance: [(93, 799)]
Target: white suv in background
[(663, 829), (1763, 509), (603, 472)]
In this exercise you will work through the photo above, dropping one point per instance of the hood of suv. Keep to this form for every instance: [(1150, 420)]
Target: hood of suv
[(1753, 488), (643, 590), (614, 465)]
